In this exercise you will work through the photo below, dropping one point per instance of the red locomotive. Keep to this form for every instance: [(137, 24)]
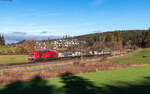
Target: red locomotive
[(42, 56)]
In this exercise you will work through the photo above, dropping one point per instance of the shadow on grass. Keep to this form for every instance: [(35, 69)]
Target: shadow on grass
[(76, 85), (36, 86)]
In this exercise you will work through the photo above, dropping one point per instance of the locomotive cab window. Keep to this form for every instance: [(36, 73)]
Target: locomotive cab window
[(31, 53)]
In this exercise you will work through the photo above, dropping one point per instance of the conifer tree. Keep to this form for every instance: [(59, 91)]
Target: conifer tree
[(2, 40)]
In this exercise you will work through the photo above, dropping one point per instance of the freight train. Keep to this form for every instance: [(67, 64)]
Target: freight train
[(42, 56), (51, 55)]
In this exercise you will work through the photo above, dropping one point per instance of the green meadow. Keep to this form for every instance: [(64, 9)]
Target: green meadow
[(123, 81), (9, 59)]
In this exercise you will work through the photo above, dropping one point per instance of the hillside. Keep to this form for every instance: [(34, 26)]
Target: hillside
[(140, 57), (123, 39), (10, 50), (6, 49)]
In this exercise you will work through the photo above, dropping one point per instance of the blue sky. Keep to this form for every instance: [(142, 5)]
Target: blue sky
[(71, 17)]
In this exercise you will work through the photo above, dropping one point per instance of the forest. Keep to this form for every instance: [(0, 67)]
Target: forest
[(130, 39)]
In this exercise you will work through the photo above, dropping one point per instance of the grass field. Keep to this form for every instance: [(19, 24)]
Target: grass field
[(140, 57), (8, 59), (124, 81)]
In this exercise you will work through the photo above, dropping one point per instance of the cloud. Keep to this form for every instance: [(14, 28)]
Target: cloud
[(98, 2), (19, 33), (13, 38), (44, 32), (53, 14), (40, 14)]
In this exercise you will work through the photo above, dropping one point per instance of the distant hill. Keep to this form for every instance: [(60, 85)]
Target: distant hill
[(114, 40), (124, 38)]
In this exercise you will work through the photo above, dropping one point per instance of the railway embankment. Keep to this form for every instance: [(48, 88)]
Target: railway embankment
[(55, 69), (47, 65)]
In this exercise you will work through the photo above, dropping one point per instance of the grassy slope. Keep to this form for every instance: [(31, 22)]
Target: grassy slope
[(124, 81), (4, 48), (140, 57), (7, 59), (111, 76)]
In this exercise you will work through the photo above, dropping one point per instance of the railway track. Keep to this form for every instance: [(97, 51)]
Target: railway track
[(38, 66), (24, 64)]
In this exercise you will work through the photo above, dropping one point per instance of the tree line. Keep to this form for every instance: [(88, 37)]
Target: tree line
[(118, 39)]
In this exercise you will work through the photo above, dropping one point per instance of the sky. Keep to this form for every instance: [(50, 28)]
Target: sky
[(40, 19)]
